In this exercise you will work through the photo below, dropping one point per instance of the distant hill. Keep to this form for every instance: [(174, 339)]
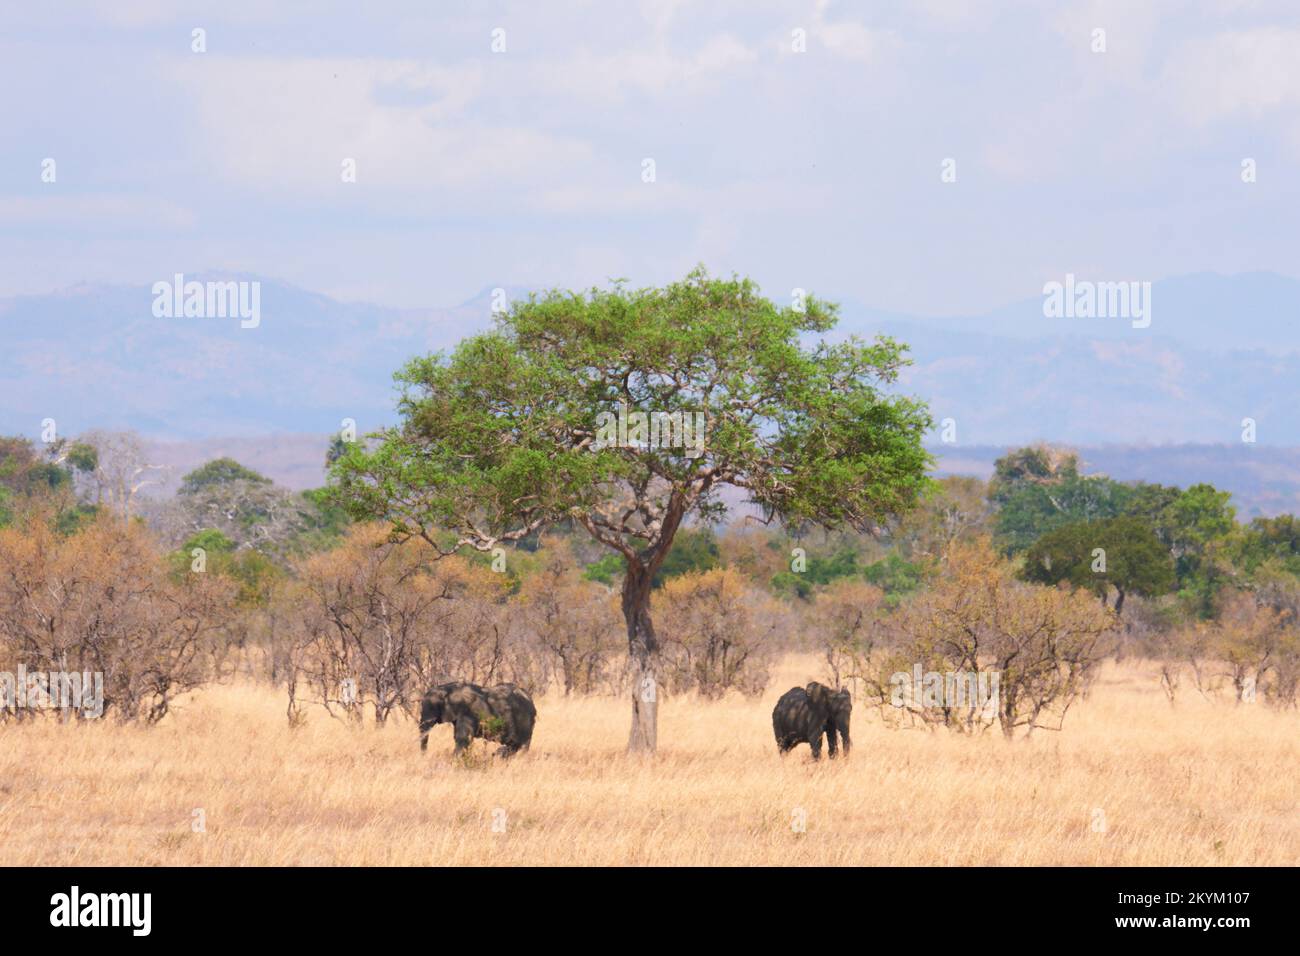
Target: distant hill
[(95, 356), (1205, 311), (1219, 349)]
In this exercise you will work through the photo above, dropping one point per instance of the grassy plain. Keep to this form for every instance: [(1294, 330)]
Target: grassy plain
[(1130, 780)]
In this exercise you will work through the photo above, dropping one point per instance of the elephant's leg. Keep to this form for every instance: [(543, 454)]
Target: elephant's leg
[(830, 740), (844, 738), (816, 744), (464, 733)]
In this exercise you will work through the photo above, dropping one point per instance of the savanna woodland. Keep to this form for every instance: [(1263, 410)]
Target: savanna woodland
[(499, 531)]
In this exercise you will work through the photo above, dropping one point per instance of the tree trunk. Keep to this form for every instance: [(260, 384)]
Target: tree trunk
[(643, 660)]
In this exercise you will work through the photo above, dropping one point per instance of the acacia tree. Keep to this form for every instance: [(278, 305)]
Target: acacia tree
[(508, 433)]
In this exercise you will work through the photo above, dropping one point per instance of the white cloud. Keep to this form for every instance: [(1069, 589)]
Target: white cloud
[(849, 38), (288, 125), (1245, 74), (854, 41), (721, 52), (610, 77)]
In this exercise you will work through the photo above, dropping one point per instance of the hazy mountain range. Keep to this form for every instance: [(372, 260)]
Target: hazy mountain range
[(1219, 349), (95, 356)]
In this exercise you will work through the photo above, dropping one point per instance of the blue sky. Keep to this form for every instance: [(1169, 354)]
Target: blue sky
[(818, 169)]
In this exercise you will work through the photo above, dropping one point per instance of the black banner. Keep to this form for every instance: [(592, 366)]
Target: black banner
[(334, 906)]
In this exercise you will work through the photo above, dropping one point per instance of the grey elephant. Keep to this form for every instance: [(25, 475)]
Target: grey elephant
[(804, 714), (502, 713)]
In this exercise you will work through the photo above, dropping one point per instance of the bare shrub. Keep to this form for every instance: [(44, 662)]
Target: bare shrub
[(121, 470), (845, 618), (718, 633), (102, 601), (977, 626), (379, 622), (577, 625), (1255, 644), (1250, 650)]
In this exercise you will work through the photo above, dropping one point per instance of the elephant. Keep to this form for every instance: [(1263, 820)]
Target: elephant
[(804, 714), (502, 713)]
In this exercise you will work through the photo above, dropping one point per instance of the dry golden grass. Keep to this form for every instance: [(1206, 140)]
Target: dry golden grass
[(1202, 783)]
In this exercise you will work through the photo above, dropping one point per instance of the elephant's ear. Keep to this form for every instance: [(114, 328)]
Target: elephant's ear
[(819, 694), (434, 703)]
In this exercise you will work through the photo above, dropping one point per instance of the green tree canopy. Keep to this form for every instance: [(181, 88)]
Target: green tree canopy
[(43, 481), (1270, 539), (896, 577), (1198, 525), (1199, 516), (1120, 553), (820, 571), (693, 550), (1032, 509), (253, 573), (217, 472)]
